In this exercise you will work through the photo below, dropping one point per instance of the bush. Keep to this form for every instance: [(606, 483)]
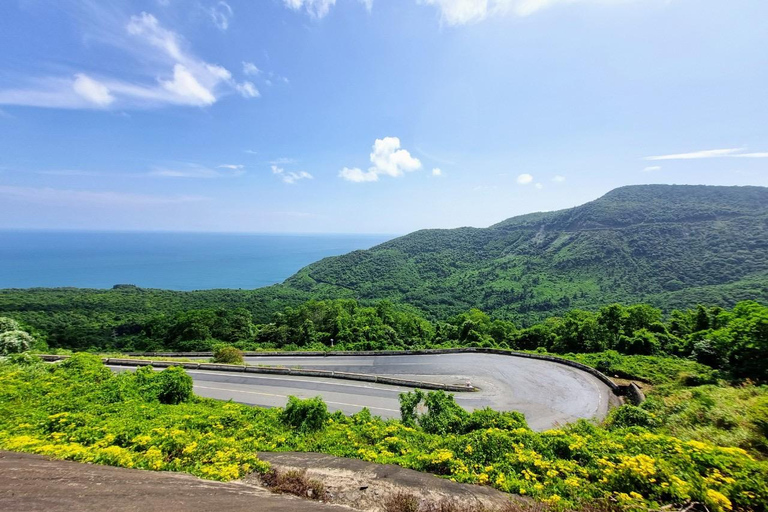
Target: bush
[(174, 385), (305, 415), (8, 324), (13, 342), (227, 354), (443, 415), (630, 416), (486, 418)]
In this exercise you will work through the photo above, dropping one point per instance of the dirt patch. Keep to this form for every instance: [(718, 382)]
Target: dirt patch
[(373, 487), (31, 483)]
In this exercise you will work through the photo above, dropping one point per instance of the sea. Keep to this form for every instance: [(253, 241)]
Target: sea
[(173, 261)]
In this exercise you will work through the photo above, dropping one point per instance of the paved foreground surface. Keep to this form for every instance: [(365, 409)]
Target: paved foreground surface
[(549, 394), (31, 483)]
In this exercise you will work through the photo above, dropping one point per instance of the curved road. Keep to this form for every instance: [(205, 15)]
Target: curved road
[(549, 394)]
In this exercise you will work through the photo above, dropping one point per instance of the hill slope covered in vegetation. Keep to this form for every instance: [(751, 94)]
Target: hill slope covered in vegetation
[(668, 245)]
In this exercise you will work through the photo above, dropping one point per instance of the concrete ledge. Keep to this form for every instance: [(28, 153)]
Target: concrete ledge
[(279, 370)]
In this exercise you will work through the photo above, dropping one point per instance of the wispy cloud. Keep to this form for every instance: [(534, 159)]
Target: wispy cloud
[(320, 8), (437, 172), (652, 168), (290, 177), (388, 159), (221, 14), (283, 161), (558, 179), (710, 153), (198, 171), (48, 196), (180, 77)]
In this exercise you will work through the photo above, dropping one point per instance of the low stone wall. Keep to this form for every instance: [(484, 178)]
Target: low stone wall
[(617, 390), (380, 379)]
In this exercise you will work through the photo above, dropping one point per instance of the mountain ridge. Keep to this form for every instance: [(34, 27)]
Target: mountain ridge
[(633, 243)]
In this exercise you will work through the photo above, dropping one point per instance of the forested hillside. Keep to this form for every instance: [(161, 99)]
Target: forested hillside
[(667, 245)]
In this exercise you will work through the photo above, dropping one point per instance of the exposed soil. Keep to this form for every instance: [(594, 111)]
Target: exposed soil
[(366, 486), (31, 483)]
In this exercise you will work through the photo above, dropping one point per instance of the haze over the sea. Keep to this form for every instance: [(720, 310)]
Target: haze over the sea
[(174, 261)]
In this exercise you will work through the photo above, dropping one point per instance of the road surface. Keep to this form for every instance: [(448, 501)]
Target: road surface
[(549, 394)]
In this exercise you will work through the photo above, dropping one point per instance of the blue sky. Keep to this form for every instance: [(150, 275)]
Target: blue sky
[(378, 116)]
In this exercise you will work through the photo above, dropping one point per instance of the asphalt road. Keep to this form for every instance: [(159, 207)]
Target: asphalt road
[(549, 394)]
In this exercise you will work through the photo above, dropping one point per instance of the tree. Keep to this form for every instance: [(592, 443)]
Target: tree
[(14, 342)]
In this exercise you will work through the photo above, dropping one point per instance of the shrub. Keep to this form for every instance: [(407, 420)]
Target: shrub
[(13, 342), (443, 415), (174, 385), (482, 419), (630, 416), (401, 502), (307, 415), (294, 482), (8, 324), (227, 354), (23, 359)]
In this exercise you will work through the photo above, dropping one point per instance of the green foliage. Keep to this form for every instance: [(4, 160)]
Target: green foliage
[(13, 342), (175, 386), (630, 416), (227, 354), (59, 411), (443, 415), (8, 324), (307, 415), (665, 245)]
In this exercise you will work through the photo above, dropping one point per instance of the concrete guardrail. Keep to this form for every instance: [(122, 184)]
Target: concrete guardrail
[(615, 388), (275, 370)]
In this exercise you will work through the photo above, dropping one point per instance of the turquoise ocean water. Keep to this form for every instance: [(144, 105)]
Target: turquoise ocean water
[(175, 261)]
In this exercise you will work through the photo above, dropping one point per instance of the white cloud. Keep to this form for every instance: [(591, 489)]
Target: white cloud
[(524, 179), (387, 159), (186, 86), (91, 90), (652, 168), (539, 186), (357, 175), (291, 177), (48, 196), (233, 167), (250, 69), (558, 179), (180, 77), (248, 90), (220, 14), (437, 172)]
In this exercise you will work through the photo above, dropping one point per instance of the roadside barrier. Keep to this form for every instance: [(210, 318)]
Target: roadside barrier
[(275, 370), (615, 388)]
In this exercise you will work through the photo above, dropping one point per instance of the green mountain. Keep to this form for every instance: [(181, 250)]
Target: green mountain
[(669, 245)]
